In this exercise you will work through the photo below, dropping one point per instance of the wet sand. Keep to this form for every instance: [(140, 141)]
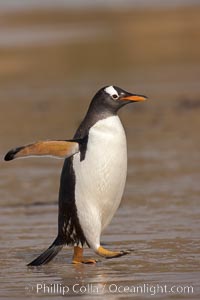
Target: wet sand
[(51, 65)]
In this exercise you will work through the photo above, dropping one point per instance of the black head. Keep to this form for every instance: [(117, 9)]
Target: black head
[(105, 103), (111, 98)]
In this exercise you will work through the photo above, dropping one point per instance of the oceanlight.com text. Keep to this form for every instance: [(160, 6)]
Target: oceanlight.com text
[(109, 288)]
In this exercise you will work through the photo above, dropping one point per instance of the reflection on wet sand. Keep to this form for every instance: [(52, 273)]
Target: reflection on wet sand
[(45, 76)]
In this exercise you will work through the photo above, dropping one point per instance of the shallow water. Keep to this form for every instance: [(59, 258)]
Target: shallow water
[(158, 219), (42, 85)]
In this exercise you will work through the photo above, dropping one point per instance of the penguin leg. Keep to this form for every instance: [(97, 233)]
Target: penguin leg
[(78, 257), (111, 254)]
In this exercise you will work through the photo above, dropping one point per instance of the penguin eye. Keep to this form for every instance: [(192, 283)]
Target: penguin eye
[(115, 96)]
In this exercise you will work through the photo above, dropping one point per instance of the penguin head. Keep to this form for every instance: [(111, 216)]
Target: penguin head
[(112, 98)]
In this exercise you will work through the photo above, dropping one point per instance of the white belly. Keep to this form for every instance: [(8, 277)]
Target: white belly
[(100, 177)]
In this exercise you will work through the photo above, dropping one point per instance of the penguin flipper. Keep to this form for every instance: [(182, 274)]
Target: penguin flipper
[(48, 254), (58, 149)]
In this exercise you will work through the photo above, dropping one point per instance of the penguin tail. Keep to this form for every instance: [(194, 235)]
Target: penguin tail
[(48, 254)]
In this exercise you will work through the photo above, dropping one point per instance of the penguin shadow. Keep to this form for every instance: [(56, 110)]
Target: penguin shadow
[(78, 279)]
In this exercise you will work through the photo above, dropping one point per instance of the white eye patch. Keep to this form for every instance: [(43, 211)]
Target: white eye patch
[(112, 92)]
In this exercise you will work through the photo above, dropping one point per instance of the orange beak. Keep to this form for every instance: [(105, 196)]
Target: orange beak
[(134, 98)]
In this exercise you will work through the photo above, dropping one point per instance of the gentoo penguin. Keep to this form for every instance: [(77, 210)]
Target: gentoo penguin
[(93, 176)]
